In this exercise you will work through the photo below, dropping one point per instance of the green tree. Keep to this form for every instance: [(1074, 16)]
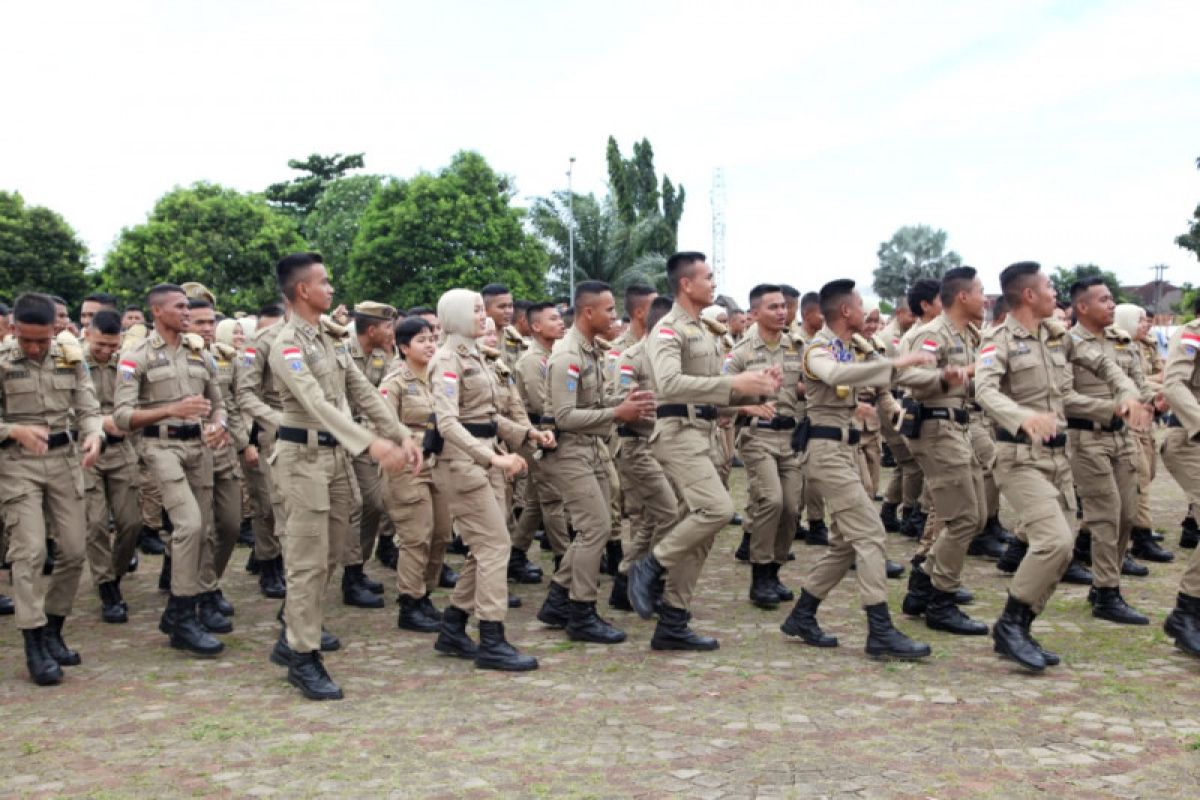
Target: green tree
[(914, 252), (333, 223), (422, 236), (1190, 239), (299, 195), (639, 200), (1062, 278), (40, 252), (218, 236)]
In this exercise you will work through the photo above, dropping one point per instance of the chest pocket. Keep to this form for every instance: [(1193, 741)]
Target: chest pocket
[(415, 406), (478, 390), (197, 376), (21, 396), (589, 385), (1058, 355), (1023, 374)]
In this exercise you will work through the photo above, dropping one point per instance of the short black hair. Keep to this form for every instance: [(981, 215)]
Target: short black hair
[(289, 269), (538, 308), (659, 308), (521, 306), (923, 291), (198, 302), (1081, 286), (584, 288), (1014, 278), (107, 321), (493, 290), (58, 301), (407, 329), (103, 298), (763, 288), (364, 322), (635, 293), (568, 316), (1000, 306), (4, 310), (158, 291), (271, 311), (957, 279), (679, 263), (420, 311), (833, 294), (33, 308), (131, 307), (789, 291), (809, 300)]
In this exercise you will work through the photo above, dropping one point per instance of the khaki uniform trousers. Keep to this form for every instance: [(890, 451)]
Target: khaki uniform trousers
[(41, 493), (1037, 482), (684, 449), (319, 494), (473, 494), (112, 491), (151, 496), (370, 519), (579, 471), (1104, 466), (904, 488), (954, 480), (870, 458), (267, 512), (1182, 459), (1147, 461), (420, 514), (775, 484), (226, 518), (543, 509), (983, 444), (648, 495), (184, 473), (856, 534)]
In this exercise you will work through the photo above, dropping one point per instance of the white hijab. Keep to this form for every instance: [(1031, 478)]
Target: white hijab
[(1128, 317)]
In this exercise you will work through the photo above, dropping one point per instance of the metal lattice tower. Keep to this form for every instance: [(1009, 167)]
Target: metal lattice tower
[(717, 200)]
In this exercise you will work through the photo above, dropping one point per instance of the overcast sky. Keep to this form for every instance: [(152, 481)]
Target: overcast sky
[(1063, 132)]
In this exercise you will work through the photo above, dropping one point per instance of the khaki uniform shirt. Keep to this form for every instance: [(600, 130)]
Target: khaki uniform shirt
[(409, 396), (104, 384), (374, 366), (225, 358), (531, 380), (1152, 364), (755, 354), (509, 398), (153, 374), (891, 336), (575, 387), (257, 392), (512, 345), (685, 362), (1181, 382), (831, 372), (1121, 349), (56, 393), (950, 347), (631, 372)]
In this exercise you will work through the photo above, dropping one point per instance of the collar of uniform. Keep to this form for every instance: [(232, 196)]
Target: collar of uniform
[(827, 333), (756, 339), (1018, 330), (305, 328), (584, 344), (1080, 332), (356, 350), (538, 349), (456, 341), (157, 341), (409, 374), (681, 313)]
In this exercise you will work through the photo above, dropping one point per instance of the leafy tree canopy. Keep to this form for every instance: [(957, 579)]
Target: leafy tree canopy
[(40, 252), (333, 223), (1062, 278), (299, 195), (914, 252)]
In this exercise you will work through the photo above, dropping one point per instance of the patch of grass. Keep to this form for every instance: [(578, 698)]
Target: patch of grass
[(29, 748), (210, 732), (1193, 743)]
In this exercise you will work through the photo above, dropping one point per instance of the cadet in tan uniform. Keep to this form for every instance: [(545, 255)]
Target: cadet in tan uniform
[(111, 484), (368, 347), (904, 487), (685, 365), (575, 394), (44, 391), (168, 394), (827, 442), (498, 301), (773, 476), (317, 439), (870, 450), (1181, 455), (803, 329), (1024, 382), (471, 472)]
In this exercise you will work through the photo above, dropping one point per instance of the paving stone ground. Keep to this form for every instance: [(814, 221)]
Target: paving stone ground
[(764, 717)]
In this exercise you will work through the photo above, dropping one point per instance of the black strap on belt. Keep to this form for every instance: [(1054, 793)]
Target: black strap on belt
[(110, 439), (1059, 440), (1080, 424), (773, 424), (179, 432), (541, 419), (300, 436), (53, 441), (1173, 421), (959, 415), (681, 410), (482, 430), (850, 436), (626, 432), (255, 430), (975, 408)]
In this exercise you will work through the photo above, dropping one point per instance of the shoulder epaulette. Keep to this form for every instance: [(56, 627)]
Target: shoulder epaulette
[(489, 352), (225, 351), (1055, 327), (193, 341), (1113, 332), (862, 343), (68, 345), (334, 329), (714, 327)]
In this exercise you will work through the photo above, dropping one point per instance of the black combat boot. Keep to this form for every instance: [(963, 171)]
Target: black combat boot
[(743, 549), (887, 514), (618, 600), (1133, 568), (762, 591), (892, 569), (270, 579), (1013, 556), (387, 552), (185, 630), (253, 565), (210, 616), (963, 597), (642, 575), (801, 531), (354, 593), (784, 594), (44, 669), (414, 618), (150, 543), (1183, 623), (916, 599), (818, 533), (164, 577), (556, 610), (447, 578), (585, 625), (1012, 639), (1052, 659), (1083, 547), (913, 525), (282, 652), (1110, 605), (673, 633), (998, 531), (452, 638), (367, 582), (496, 653), (1077, 574), (736, 520), (223, 605), (7, 609), (112, 607), (514, 601), (1189, 534), (883, 640), (802, 622), (457, 546), (429, 608), (521, 569), (307, 673), (52, 641), (246, 533), (943, 615), (1143, 546), (986, 545), (887, 458), (614, 554)]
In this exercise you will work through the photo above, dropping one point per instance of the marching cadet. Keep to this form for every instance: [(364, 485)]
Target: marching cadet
[(369, 348), (685, 366), (111, 484), (44, 391), (827, 442), (419, 511), (924, 301), (500, 307), (1024, 382), (317, 438), (869, 447), (904, 487), (773, 476), (804, 328), (583, 419), (168, 394), (1181, 455), (471, 472)]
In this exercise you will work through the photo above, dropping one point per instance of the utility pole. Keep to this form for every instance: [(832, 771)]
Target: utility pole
[(717, 200), (571, 233), (1159, 269)]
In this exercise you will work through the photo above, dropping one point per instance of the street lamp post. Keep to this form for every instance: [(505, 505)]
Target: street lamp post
[(571, 234)]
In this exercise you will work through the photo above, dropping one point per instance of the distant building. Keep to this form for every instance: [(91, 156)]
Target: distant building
[(1157, 297)]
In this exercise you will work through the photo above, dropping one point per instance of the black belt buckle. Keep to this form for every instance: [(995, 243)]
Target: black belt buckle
[(779, 424), (481, 430), (626, 432), (300, 436), (60, 439)]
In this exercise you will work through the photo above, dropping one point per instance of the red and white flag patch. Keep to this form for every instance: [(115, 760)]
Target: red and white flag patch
[(127, 367), (291, 353), (666, 333), (1190, 342), (450, 377), (573, 371), (929, 346)]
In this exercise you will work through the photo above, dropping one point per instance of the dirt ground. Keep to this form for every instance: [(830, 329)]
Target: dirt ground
[(762, 717)]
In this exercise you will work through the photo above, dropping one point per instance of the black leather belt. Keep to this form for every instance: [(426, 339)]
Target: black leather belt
[(481, 430), (179, 432), (975, 408), (773, 424), (110, 439), (1079, 424), (300, 436), (255, 430), (958, 415), (848, 435), (681, 410), (626, 432), (1173, 421), (1059, 440), (53, 441), (541, 419)]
